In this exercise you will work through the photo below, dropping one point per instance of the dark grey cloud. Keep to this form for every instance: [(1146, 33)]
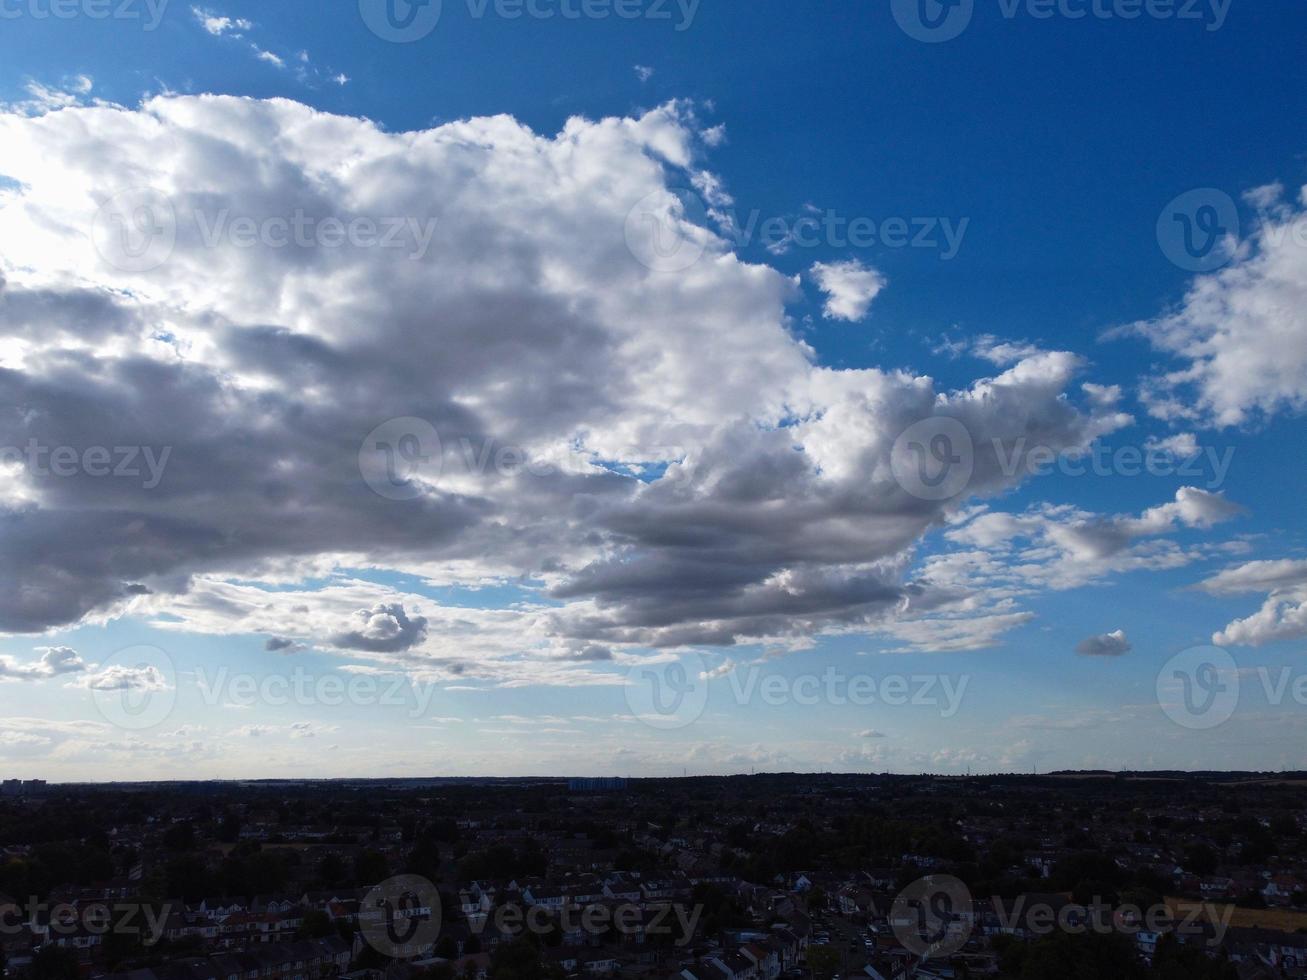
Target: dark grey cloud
[(385, 628), (282, 644), (1112, 644)]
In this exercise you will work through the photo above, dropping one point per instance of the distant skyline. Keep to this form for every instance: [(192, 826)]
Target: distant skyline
[(635, 388)]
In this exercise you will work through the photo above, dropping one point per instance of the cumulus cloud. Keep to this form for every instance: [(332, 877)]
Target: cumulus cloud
[(685, 473), (1241, 333), (385, 628), (1112, 644), (849, 286), (1283, 615), (119, 678), (53, 662)]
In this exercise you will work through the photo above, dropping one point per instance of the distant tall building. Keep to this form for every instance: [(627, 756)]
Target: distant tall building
[(19, 787)]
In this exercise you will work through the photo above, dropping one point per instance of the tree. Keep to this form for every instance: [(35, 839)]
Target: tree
[(823, 961), (1088, 956), (54, 963), (229, 831), (316, 925), (370, 868), (1200, 860), (1175, 962)]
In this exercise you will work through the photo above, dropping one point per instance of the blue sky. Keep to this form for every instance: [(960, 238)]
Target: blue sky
[(1020, 190)]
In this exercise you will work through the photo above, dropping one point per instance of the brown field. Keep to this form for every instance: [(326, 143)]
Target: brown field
[(1282, 920)]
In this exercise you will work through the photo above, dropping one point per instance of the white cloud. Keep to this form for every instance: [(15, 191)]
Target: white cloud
[(987, 347), (714, 135), (765, 509), (644, 72), (54, 661), (849, 286), (46, 98), (119, 678), (968, 599), (1241, 333), (1182, 445), (218, 25), (1283, 615)]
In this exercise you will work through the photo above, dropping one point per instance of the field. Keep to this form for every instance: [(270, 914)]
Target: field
[(1283, 920)]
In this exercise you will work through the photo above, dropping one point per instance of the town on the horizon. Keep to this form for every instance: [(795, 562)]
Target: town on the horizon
[(765, 877)]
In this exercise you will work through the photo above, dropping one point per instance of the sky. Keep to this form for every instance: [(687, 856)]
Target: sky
[(638, 387)]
